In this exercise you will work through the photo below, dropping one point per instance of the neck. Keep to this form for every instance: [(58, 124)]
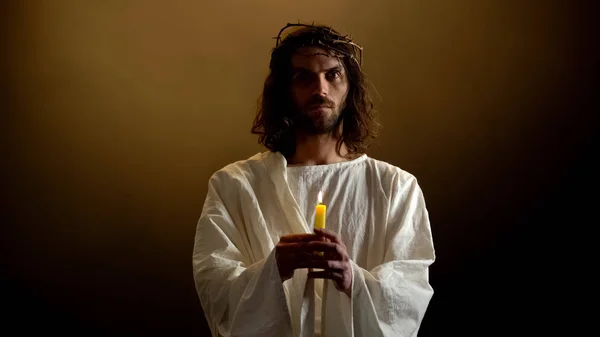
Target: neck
[(317, 150)]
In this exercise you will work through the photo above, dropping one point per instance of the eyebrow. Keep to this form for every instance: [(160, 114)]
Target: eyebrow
[(302, 69)]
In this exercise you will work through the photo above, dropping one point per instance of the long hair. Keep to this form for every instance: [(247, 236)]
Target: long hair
[(273, 122)]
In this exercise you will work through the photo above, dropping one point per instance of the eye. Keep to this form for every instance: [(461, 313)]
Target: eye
[(334, 74), (301, 76)]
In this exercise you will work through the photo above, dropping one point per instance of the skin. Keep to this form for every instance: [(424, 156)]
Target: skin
[(319, 90), (297, 251)]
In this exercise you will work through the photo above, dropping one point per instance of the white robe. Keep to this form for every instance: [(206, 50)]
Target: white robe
[(378, 210)]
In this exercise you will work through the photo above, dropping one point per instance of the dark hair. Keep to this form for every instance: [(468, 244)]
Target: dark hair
[(273, 122)]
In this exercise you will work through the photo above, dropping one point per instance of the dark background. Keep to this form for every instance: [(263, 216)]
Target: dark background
[(116, 113)]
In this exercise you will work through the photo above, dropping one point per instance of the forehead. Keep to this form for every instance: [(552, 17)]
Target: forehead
[(315, 59)]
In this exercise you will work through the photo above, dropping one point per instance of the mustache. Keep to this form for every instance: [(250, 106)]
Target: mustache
[(320, 100)]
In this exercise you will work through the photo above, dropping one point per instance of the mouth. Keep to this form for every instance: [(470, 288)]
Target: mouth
[(319, 107)]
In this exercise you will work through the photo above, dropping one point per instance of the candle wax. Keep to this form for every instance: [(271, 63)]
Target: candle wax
[(320, 213)]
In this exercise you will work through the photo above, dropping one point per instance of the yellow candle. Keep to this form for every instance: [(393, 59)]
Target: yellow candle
[(320, 212)]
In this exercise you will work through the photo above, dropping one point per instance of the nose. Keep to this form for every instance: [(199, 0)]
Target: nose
[(321, 86)]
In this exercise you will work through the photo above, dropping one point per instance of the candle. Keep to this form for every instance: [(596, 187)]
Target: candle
[(320, 212)]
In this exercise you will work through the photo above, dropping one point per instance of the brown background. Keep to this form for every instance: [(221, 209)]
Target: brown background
[(115, 114)]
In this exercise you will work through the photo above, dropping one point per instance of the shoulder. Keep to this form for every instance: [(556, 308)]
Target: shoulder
[(389, 172), (241, 170), (402, 190), (394, 181)]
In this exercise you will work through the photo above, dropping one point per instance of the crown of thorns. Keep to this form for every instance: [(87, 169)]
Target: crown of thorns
[(328, 38)]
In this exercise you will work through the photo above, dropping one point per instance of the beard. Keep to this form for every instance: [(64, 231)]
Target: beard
[(317, 122)]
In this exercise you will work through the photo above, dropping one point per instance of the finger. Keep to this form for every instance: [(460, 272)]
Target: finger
[(331, 275), (332, 250), (296, 261), (329, 234), (299, 238), (294, 250), (318, 246), (304, 263), (331, 265), (315, 262), (310, 264)]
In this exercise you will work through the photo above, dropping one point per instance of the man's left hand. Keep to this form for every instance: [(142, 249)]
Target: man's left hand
[(336, 263)]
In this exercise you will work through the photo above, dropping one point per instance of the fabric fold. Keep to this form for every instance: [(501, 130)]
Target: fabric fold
[(377, 209)]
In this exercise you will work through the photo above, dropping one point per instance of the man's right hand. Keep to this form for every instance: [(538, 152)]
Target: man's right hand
[(297, 251)]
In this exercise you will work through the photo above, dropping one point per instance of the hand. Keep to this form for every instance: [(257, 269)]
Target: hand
[(337, 262), (294, 252), (297, 251)]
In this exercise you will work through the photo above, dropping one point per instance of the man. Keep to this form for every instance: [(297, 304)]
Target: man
[(260, 268)]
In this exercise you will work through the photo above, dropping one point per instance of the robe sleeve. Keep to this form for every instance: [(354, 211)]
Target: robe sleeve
[(239, 297), (391, 299)]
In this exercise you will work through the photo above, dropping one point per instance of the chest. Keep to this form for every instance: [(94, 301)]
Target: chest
[(357, 208)]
